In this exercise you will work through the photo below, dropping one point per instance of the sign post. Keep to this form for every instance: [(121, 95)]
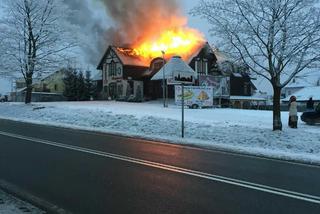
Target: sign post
[(177, 72), (182, 120)]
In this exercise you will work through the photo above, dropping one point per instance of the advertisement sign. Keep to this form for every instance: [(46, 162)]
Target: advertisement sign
[(194, 95), (221, 84), (186, 78)]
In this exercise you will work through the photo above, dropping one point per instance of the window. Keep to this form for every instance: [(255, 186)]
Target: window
[(105, 76), (55, 87), (105, 73), (112, 69), (201, 66), (205, 67)]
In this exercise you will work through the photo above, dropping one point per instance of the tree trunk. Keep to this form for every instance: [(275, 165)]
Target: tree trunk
[(277, 124), (29, 90)]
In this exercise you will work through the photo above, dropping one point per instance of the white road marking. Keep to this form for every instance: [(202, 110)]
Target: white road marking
[(155, 141), (194, 173)]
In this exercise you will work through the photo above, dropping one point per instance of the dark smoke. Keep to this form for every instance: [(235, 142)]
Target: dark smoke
[(131, 20), (136, 18), (92, 31)]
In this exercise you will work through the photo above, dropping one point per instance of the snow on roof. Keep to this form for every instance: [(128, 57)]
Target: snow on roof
[(247, 98), (21, 89), (221, 57), (299, 83), (176, 64), (237, 74), (309, 80), (305, 94), (97, 77)]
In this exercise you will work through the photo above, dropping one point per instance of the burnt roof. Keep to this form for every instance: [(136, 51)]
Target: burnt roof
[(125, 59), (130, 60)]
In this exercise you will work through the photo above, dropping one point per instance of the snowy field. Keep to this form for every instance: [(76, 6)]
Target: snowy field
[(12, 205), (245, 131)]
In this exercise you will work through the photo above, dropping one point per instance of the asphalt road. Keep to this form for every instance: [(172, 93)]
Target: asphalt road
[(88, 172)]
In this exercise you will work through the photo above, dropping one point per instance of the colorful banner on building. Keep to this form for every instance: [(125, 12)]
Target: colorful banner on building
[(220, 84)]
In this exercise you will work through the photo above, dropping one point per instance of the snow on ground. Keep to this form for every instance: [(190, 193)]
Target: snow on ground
[(12, 205), (245, 131)]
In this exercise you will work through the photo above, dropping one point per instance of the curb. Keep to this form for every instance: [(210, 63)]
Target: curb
[(42, 204)]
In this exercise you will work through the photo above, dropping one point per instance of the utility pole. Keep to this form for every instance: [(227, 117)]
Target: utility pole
[(164, 81)]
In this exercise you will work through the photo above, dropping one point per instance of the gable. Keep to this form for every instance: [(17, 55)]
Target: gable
[(120, 56)]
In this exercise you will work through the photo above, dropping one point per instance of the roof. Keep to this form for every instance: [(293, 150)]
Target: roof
[(176, 64), (308, 80), (305, 93), (131, 60), (21, 89), (97, 77), (221, 56), (247, 98), (198, 51), (49, 75), (125, 59)]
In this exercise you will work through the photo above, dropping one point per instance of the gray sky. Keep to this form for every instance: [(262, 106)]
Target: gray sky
[(194, 22)]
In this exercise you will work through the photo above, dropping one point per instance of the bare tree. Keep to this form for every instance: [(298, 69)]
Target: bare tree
[(35, 36), (277, 39)]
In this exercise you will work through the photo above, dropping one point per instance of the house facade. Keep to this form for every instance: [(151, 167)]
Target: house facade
[(122, 75), (52, 83), (49, 88), (301, 82), (126, 77)]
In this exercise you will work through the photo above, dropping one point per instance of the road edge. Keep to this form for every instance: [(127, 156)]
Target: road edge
[(42, 204), (168, 142)]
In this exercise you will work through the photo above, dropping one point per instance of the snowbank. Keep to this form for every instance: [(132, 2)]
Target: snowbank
[(244, 131), (12, 205)]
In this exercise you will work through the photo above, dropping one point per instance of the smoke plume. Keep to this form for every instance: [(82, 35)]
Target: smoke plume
[(135, 19), (121, 22)]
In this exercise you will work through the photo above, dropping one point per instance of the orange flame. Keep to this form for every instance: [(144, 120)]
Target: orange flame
[(182, 41)]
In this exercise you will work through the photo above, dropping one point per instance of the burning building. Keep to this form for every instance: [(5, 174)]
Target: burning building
[(127, 76), (156, 32)]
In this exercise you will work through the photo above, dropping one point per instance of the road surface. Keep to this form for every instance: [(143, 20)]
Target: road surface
[(89, 172)]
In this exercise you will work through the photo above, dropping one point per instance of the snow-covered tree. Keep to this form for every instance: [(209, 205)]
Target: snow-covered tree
[(35, 37), (277, 39)]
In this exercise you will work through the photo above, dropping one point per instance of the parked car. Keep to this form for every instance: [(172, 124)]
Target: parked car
[(311, 117), (3, 98)]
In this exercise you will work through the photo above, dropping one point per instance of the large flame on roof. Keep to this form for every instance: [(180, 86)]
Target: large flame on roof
[(182, 41), (151, 27)]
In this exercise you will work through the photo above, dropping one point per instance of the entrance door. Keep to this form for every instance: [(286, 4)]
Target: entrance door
[(113, 90)]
